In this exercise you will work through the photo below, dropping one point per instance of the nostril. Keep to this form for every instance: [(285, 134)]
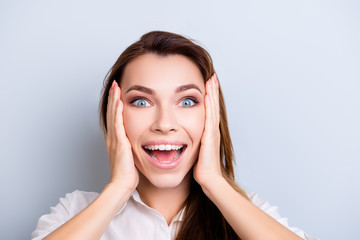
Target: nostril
[(165, 125), (165, 130), (172, 129)]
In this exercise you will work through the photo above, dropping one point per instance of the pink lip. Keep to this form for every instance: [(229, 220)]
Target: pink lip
[(163, 165), (158, 142)]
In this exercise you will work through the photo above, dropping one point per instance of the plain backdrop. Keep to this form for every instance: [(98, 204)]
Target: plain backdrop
[(289, 71)]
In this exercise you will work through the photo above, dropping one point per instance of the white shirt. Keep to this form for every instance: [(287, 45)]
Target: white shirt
[(135, 220)]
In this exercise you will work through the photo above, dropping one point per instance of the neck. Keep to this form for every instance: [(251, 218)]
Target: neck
[(167, 201)]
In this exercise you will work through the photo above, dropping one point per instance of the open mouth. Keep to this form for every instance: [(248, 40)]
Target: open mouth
[(164, 153)]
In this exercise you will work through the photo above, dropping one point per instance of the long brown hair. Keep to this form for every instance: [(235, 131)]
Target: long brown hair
[(202, 219)]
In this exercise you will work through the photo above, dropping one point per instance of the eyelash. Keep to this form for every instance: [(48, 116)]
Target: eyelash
[(137, 98), (143, 98), (192, 99)]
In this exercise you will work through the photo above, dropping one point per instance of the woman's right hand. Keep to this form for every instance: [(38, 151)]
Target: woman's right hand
[(123, 172), (93, 220)]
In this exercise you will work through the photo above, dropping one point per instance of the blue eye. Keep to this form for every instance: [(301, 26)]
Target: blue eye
[(141, 102), (188, 102)]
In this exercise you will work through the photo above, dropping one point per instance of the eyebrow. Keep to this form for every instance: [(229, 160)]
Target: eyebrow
[(150, 91)]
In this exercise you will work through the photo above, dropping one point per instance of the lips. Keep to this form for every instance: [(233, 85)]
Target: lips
[(164, 154)]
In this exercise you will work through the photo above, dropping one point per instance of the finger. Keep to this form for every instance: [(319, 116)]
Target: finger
[(208, 116), (208, 110), (217, 100), (216, 81), (109, 113), (119, 123), (212, 100), (115, 96)]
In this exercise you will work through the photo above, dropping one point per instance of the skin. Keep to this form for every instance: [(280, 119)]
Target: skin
[(165, 190), (166, 119)]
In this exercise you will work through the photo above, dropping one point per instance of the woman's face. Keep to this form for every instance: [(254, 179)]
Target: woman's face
[(164, 116)]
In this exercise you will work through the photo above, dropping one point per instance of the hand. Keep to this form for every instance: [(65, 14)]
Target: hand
[(208, 165), (122, 169)]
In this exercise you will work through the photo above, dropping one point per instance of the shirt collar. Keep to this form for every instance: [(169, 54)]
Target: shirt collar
[(136, 197), (179, 217)]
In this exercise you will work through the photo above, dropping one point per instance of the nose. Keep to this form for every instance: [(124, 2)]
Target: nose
[(165, 120)]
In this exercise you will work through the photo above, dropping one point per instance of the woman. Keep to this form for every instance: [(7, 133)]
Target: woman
[(170, 154)]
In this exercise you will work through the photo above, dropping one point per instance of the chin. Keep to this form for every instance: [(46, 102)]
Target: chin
[(168, 180), (165, 179)]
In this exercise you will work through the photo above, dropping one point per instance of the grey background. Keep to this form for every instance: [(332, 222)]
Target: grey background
[(289, 71)]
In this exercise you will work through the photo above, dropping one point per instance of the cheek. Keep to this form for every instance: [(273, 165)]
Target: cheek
[(194, 122), (133, 124)]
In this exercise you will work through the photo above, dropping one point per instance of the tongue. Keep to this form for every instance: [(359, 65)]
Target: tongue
[(164, 156)]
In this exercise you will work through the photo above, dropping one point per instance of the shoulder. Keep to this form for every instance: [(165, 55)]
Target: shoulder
[(79, 199), (267, 208), (75, 201), (67, 207), (273, 212), (262, 204)]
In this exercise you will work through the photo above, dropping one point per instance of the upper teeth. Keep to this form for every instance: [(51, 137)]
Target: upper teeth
[(163, 147)]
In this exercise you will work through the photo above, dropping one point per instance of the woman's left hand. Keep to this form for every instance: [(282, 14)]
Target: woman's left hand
[(208, 168)]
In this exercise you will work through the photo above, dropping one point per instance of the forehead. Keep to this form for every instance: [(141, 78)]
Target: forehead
[(166, 72)]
